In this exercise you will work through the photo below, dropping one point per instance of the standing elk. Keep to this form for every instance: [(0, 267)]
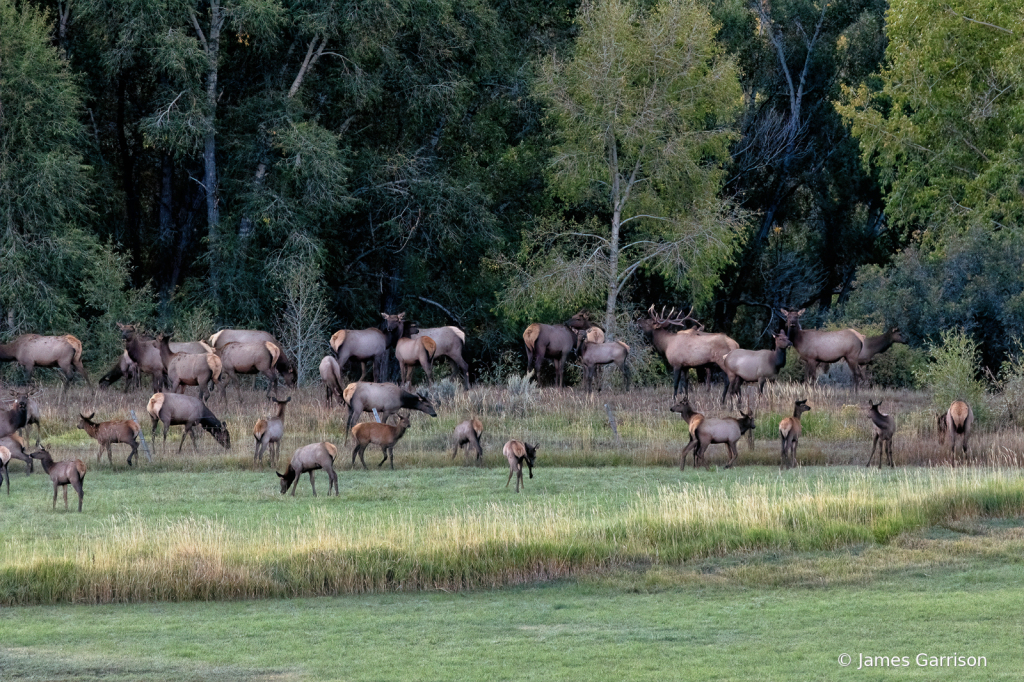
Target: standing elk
[(742, 365), (468, 434), (144, 352), (368, 344), (595, 335), (384, 435), (594, 355), (883, 427), (387, 399), (450, 342), (816, 347), (693, 421), (728, 431), (70, 472), (517, 453), (790, 429), (412, 351), (16, 444), (956, 423), (174, 409), (309, 458), (330, 374), (248, 358), (125, 368), (268, 434), (189, 369), (551, 342), (106, 433), (284, 366), (873, 345), (32, 414), (687, 348), (16, 417), (5, 458), (32, 350)]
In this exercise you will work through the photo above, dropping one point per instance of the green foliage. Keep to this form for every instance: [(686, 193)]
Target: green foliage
[(953, 371), (1009, 401), (898, 367)]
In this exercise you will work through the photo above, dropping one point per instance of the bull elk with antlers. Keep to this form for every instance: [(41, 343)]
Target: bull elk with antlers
[(685, 348)]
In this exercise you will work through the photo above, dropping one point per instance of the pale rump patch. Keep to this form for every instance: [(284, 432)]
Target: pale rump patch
[(478, 427), (531, 334), (337, 338), (349, 390), (5, 455), (213, 361), (429, 345), (259, 429), (156, 403), (76, 344), (213, 339), (331, 449), (274, 351)]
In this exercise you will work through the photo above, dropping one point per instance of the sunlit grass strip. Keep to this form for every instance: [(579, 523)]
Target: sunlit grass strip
[(133, 559)]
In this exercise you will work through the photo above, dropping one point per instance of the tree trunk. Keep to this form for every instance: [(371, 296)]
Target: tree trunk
[(613, 277), (132, 209)]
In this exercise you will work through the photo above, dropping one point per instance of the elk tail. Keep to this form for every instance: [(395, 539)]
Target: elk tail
[(155, 404), (215, 364), (785, 427), (331, 450), (337, 338), (430, 346), (274, 351), (530, 335), (134, 426), (459, 333), (259, 429), (76, 344), (478, 427), (80, 465), (5, 455), (213, 339), (347, 393), (623, 344)]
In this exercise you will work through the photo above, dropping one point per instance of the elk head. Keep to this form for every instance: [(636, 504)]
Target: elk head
[(86, 420)]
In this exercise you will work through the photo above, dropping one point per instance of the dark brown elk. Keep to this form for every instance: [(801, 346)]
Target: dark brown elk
[(248, 358), (693, 420), (883, 427), (174, 409), (106, 433), (410, 352), (955, 424), (593, 355), (15, 417), (450, 341), (144, 352), (742, 365), (387, 399), (689, 348), (16, 444), (518, 453), (125, 368), (189, 369), (728, 431), (63, 474), (816, 347), (268, 434), (284, 366), (790, 429), (309, 458), (330, 374), (384, 435), (32, 350), (368, 344), (468, 434), (548, 342)]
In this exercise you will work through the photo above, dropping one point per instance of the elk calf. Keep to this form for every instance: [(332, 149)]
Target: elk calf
[(106, 433), (956, 423), (884, 426), (592, 355), (468, 433), (517, 452), (387, 399), (63, 474), (789, 431), (309, 458), (268, 434), (383, 435), (728, 431), (693, 420)]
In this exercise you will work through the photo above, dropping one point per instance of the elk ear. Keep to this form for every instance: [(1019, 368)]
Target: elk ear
[(784, 311), (801, 311), (384, 315)]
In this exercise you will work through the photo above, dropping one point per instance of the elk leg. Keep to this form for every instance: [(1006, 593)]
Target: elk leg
[(110, 455), (511, 470), (4, 474), (312, 482), (77, 484), (184, 433), (135, 451), (385, 451), (733, 455)]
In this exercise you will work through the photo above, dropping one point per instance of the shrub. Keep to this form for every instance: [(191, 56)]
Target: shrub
[(953, 370)]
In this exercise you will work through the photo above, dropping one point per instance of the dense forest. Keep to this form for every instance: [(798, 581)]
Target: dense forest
[(301, 166)]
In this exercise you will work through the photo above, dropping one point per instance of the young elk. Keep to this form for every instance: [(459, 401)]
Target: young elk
[(884, 426), (517, 452), (754, 365), (693, 420), (268, 434), (409, 352), (468, 433), (956, 423), (728, 431), (387, 399), (63, 474), (106, 433), (789, 431), (592, 355), (310, 458), (173, 409), (384, 435)]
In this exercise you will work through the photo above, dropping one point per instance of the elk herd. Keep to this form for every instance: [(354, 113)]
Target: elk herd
[(213, 365)]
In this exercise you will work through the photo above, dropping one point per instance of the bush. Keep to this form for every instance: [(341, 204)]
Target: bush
[(953, 371), (1009, 402), (898, 367)]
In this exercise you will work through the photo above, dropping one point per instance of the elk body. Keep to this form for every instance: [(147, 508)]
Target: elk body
[(189, 369), (16, 445), (687, 348), (743, 365), (248, 358), (32, 350), (109, 432), (387, 399), (63, 474), (450, 342), (693, 420), (468, 434), (144, 352), (956, 424), (883, 427), (594, 355), (15, 417), (125, 368), (284, 366), (594, 336), (32, 414), (384, 435), (174, 409), (268, 434), (518, 453), (410, 352), (727, 431), (330, 374), (368, 344), (816, 347), (789, 432), (548, 342), (309, 458)]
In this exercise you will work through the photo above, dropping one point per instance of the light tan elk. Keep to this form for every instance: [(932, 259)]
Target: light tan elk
[(412, 351), (874, 345), (32, 350), (268, 434), (384, 435), (173, 409), (581, 322), (450, 341), (330, 374), (883, 427), (548, 342), (284, 366), (63, 474), (16, 444), (728, 431), (468, 434), (387, 399), (189, 369), (956, 424), (144, 352), (309, 458), (693, 421), (5, 458), (687, 348), (816, 347), (106, 433), (790, 429), (125, 368), (518, 453), (248, 358), (594, 355), (368, 344), (742, 365)]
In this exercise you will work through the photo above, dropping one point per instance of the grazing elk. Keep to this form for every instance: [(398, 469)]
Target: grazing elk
[(384, 435), (693, 420), (816, 347), (330, 374), (412, 351), (517, 453), (742, 365), (883, 427), (789, 432), (387, 399), (189, 369), (32, 350), (368, 344), (173, 409), (16, 444), (144, 352), (712, 431), (268, 434), (468, 433), (248, 358), (16, 417), (687, 348), (70, 472), (284, 366), (450, 342), (956, 423), (594, 355), (106, 433), (548, 341), (126, 368), (309, 458)]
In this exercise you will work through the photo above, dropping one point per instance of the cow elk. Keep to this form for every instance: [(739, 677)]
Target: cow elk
[(743, 365), (693, 421), (790, 429), (713, 431), (410, 352), (284, 366), (883, 427), (125, 368), (384, 435), (32, 350), (268, 434), (548, 342), (468, 434), (174, 409), (309, 458), (450, 343), (686, 348), (518, 453), (816, 347), (330, 374), (387, 399), (189, 369), (368, 344), (144, 352), (62, 474), (248, 358), (594, 355), (109, 432), (956, 424)]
